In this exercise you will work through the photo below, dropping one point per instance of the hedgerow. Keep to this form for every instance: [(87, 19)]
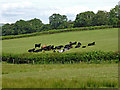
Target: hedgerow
[(56, 31), (47, 58)]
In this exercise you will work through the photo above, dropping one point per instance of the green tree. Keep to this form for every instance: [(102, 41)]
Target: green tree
[(22, 27), (101, 18), (45, 27), (35, 24), (114, 16), (84, 19), (70, 24), (7, 29), (58, 21)]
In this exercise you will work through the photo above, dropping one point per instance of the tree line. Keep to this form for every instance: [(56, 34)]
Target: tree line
[(57, 21)]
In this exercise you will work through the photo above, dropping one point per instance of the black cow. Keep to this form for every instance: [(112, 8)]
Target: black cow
[(54, 51), (77, 46), (70, 42), (90, 44), (38, 50), (93, 43), (46, 48), (83, 46), (31, 50), (59, 47), (65, 49), (52, 47), (68, 46), (49, 47), (79, 43), (37, 45), (74, 43)]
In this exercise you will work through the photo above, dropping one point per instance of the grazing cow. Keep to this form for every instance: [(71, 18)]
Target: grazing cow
[(39, 50), (74, 43), (66, 49), (90, 44), (77, 46), (70, 42), (31, 50), (59, 47), (49, 47), (79, 43), (46, 48), (54, 51), (67, 46), (37, 45), (83, 46), (93, 43), (52, 47)]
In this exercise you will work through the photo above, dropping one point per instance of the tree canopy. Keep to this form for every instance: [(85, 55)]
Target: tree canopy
[(57, 21), (114, 16), (101, 18), (84, 19), (22, 27)]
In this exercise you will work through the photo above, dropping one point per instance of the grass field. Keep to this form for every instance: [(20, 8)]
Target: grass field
[(0, 75), (106, 40), (59, 75), (62, 75)]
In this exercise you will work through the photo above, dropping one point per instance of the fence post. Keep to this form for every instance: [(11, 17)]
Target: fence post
[(33, 61), (80, 61), (13, 61), (28, 61)]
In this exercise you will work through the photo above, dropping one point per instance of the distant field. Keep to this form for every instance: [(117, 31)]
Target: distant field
[(106, 40), (59, 75)]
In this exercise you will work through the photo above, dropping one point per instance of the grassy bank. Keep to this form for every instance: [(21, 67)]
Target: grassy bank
[(59, 75)]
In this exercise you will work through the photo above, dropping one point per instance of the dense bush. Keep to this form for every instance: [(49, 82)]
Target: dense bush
[(46, 58), (56, 31)]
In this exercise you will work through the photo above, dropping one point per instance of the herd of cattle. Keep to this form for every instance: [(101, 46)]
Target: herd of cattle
[(59, 48)]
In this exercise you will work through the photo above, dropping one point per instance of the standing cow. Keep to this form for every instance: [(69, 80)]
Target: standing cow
[(37, 45)]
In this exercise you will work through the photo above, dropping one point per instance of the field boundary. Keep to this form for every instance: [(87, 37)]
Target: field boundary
[(51, 58), (56, 31)]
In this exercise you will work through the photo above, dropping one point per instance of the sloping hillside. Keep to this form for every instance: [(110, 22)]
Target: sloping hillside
[(106, 40)]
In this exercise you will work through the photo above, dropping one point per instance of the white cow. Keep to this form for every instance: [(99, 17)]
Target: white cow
[(61, 51)]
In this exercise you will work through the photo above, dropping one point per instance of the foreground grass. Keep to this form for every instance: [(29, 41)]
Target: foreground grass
[(0, 75), (59, 75), (106, 40)]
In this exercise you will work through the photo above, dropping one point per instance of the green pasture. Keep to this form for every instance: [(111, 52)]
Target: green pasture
[(59, 75), (106, 40), (0, 75)]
